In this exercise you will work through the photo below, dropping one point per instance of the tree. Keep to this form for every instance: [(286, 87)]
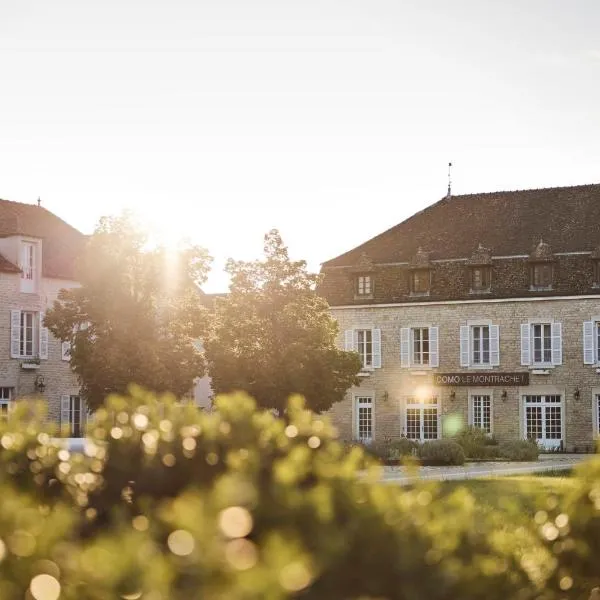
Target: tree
[(135, 316), (273, 336)]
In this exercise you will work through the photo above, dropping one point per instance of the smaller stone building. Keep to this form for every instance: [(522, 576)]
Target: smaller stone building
[(38, 251), (483, 307)]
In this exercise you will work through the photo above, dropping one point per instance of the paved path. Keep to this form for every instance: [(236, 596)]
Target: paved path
[(547, 462)]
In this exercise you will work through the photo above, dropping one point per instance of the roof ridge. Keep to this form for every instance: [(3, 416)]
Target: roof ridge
[(523, 190)]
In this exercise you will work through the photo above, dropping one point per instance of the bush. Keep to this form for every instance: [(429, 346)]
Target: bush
[(441, 452), (169, 502), (393, 451), (473, 441), (519, 450)]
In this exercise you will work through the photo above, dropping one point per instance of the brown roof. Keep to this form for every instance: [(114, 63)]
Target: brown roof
[(62, 244), (508, 223)]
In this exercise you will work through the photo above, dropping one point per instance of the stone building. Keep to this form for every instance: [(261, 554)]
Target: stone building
[(37, 256), (482, 307)]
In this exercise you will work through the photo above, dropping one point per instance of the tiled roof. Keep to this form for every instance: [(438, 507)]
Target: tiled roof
[(62, 244), (508, 223)]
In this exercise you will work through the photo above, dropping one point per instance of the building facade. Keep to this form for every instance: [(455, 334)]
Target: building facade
[(482, 309), (37, 258)]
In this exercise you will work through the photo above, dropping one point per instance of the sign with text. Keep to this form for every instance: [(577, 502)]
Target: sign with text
[(483, 379)]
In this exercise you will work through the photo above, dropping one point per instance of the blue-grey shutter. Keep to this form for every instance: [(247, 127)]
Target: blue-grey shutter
[(525, 344), (434, 356), (557, 343), (494, 345), (589, 357), (376, 339), (405, 347), (464, 345), (15, 333)]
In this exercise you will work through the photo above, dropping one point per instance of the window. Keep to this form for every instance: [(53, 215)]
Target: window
[(28, 266), (481, 407), (541, 276), (420, 280), (480, 279), (543, 419), (5, 402), (419, 347), (73, 416), (364, 418), (365, 347), (364, 285), (591, 342), (27, 337), (480, 345), (422, 419), (367, 342), (541, 344)]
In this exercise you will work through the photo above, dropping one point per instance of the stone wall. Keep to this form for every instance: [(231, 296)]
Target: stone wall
[(57, 373), (392, 385)]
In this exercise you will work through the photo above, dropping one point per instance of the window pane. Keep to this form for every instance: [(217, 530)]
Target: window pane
[(430, 430), (413, 423), (534, 422)]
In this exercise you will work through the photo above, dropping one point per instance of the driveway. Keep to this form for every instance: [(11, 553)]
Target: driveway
[(547, 462)]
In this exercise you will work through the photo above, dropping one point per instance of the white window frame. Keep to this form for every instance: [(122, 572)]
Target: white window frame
[(39, 332), (367, 402), (68, 409), (417, 359), (467, 344), (352, 344), (364, 286), (548, 443), (421, 405), (25, 328), (6, 400), (408, 358), (528, 343), (480, 393), (28, 265), (596, 412)]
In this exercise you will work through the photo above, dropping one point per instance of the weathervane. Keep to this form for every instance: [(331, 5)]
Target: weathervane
[(449, 180)]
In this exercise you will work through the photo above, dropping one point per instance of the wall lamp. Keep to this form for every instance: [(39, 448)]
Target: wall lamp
[(576, 394), (504, 395), (386, 396), (39, 384), (453, 395)]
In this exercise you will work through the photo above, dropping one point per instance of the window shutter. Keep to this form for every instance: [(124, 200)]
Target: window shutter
[(494, 345), (43, 339), (65, 420), (15, 333), (349, 340), (525, 344), (557, 343), (65, 351), (376, 337), (434, 358), (405, 347), (588, 343), (464, 345)]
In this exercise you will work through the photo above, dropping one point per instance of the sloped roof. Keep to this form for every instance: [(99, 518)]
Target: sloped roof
[(508, 223), (62, 244)]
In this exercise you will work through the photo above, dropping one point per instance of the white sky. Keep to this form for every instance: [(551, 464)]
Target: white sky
[(331, 120)]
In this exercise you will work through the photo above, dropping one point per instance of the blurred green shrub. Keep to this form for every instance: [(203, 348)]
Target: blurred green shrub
[(519, 450), (168, 503), (441, 452)]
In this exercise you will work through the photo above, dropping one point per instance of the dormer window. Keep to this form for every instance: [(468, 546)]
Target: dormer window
[(597, 273), (28, 267), (364, 286), (541, 262), (541, 276), (480, 279), (420, 281)]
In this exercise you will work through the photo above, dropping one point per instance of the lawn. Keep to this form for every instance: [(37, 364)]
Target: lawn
[(523, 493)]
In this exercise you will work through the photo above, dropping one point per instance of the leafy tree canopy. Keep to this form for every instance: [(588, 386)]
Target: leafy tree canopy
[(273, 336), (136, 314)]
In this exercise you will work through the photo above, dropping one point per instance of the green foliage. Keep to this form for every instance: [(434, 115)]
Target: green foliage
[(441, 452), (519, 450), (135, 316), (169, 502), (477, 444), (394, 450), (273, 336)]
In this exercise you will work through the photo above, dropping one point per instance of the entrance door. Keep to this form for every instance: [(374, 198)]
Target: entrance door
[(544, 420)]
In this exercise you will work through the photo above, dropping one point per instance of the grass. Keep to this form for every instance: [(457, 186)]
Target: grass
[(521, 495)]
